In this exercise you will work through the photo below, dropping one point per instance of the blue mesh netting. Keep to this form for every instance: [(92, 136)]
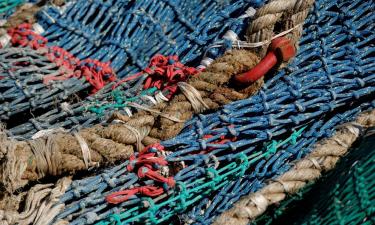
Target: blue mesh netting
[(331, 80), (116, 31), (22, 72), (129, 33)]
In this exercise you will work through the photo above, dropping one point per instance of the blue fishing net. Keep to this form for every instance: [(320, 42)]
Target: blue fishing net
[(129, 33), (330, 82), (22, 88)]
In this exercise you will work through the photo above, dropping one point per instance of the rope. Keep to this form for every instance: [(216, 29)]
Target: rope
[(41, 204), (325, 155)]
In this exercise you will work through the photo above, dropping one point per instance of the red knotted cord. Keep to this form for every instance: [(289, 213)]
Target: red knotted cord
[(146, 161), (121, 196), (97, 73), (23, 35), (163, 72)]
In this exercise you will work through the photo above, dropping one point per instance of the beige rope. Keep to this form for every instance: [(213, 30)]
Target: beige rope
[(135, 132), (40, 205), (172, 118), (323, 158), (45, 156), (288, 13)]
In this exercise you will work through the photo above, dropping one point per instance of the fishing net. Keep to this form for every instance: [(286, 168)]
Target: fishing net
[(221, 156), (6, 7), (207, 90), (99, 108)]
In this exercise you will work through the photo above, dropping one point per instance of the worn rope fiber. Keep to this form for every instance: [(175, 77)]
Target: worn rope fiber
[(81, 117), (323, 158), (40, 205), (323, 26), (346, 194)]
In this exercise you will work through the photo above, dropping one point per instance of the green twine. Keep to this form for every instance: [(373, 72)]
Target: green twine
[(119, 101), (183, 197), (6, 5)]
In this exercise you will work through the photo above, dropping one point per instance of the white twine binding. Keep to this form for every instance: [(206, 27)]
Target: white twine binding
[(137, 106), (4, 40), (66, 107), (47, 132), (85, 150), (193, 96), (243, 44), (161, 98), (249, 13), (38, 28), (136, 133), (128, 111)]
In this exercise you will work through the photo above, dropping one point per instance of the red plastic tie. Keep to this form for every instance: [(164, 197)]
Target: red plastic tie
[(121, 196)]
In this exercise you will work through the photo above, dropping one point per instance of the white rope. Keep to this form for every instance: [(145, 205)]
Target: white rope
[(243, 44), (38, 28), (249, 13), (4, 40)]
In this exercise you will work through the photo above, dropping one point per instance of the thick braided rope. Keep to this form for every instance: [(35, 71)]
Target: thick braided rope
[(323, 158), (345, 194), (110, 34), (277, 16), (43, 122), (108, 144)]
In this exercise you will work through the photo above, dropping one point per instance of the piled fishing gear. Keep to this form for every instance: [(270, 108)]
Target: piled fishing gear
[(102, 145), (129, 33), (34, 81), (208, 165)]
